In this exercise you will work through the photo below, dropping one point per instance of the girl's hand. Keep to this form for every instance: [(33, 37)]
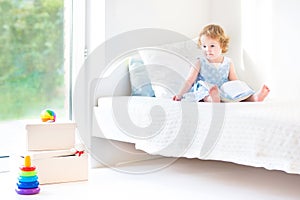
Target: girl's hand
[(177, 98)]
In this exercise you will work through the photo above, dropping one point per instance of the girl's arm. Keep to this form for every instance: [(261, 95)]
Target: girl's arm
[(232, 74), (194, 71)]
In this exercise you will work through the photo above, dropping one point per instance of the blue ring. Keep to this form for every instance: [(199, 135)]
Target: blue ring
[(27, 178), (28, 185)]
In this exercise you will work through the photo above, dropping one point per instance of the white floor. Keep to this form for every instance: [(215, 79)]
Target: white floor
[(183, 179)]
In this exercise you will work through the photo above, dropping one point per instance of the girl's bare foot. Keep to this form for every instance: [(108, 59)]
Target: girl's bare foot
[(260, 95), (214, 95)]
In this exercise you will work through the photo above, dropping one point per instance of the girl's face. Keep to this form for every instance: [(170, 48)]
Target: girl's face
[(211, 49)]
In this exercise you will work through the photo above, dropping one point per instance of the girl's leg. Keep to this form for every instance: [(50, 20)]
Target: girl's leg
[(213, 96)]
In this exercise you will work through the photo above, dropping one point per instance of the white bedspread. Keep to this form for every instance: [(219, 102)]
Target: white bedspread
[(261, 134)]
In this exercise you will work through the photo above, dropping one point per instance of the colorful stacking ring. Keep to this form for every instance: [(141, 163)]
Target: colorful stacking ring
[(26, 185), (27, 179), (27, 174), (28, 191), (27, 169)]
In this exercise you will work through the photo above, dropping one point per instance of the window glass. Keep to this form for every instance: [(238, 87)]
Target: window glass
[(32, 71)]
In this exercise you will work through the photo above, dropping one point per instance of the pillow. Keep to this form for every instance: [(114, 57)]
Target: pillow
[(168, 65), (139, 80)]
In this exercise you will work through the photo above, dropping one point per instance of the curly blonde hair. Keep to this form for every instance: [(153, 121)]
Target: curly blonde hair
[(215, 32)]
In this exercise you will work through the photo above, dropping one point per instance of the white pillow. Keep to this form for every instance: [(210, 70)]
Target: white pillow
[(168, 65)]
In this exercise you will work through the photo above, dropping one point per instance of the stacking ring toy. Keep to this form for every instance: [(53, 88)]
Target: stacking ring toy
[(27, 180)]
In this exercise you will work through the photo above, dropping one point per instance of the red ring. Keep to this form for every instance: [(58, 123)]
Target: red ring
[(27, 169)]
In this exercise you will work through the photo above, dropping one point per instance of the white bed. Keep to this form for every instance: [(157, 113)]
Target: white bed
[(118, 128), (255, 134)]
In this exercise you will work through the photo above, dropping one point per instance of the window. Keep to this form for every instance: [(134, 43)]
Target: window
[(34, 64)]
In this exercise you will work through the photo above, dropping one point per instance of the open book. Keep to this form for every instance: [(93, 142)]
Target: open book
[(236, 89)]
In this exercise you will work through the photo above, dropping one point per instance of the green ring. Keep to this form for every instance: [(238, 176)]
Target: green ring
[(26, 174)]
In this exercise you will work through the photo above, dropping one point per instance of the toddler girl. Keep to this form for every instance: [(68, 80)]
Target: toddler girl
[(205, 80)]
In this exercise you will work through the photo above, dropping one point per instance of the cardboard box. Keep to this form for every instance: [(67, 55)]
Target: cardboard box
[(50, 136), (59, 166)]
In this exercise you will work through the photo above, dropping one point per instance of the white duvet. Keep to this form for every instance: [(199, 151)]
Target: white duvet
[(261, 134)]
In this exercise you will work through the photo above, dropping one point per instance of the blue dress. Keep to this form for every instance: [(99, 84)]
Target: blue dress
[(209, 76)]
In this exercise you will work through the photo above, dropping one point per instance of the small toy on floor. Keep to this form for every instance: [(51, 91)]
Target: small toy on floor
[(48, 115), (28, 180)]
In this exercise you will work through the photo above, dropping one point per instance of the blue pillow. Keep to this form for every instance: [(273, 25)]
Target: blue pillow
[(139, 79)]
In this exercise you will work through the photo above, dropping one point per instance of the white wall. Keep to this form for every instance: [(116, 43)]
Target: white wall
[(182, 16), (95, 24), (256, 38), (264, 33), (270, 33), (285, 68)]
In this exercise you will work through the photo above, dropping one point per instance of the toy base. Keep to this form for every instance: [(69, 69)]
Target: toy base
[(28, 191)]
